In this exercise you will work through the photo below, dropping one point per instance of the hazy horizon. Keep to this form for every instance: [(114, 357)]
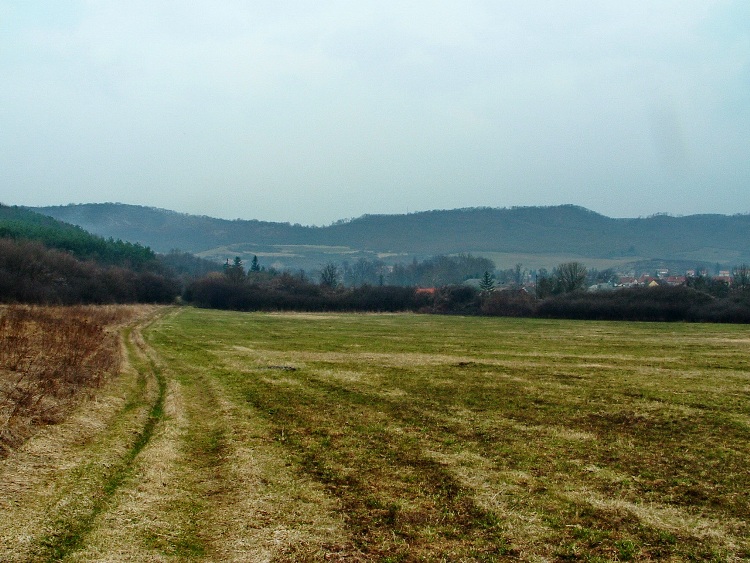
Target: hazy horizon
[(316, 112)]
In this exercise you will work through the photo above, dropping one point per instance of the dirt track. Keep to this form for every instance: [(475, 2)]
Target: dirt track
[(157, 467)]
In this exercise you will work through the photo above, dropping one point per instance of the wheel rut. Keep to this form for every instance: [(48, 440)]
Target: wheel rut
[(62, 480)]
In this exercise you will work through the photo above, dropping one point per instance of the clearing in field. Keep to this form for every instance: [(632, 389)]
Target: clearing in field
[(286, 437)]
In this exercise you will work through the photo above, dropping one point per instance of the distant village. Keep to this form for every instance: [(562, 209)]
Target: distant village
[(611, 280), (662, 277)]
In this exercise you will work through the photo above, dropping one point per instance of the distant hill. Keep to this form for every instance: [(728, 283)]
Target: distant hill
[(21, 224), (534, 236), (47, 261)]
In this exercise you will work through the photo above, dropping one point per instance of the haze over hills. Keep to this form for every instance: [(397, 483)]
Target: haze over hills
[(534, 236)]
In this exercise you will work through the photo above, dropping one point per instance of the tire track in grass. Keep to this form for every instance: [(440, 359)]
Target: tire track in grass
[(251, 508), (158, 513), (251, 503), (69, 534), (399, 502), (83, 462)]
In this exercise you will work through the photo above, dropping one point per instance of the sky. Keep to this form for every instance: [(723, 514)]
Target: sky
[(312, 112)]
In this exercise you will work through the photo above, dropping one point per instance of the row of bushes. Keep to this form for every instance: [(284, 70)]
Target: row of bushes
[(667, 303), (290, 293), (33, 273), (287, 292)]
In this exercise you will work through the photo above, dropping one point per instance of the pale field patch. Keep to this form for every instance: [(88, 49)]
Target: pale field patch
[(668, 518)]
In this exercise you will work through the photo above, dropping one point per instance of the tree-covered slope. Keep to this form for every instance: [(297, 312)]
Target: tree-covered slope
[(561, 230), (22, 224), (43, 260)]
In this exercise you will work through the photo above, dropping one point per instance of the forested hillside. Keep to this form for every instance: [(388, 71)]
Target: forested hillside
[(568, 231), (20, 224), (43, 260)]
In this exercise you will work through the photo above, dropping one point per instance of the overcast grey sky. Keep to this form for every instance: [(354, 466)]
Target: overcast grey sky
[(309, 112)]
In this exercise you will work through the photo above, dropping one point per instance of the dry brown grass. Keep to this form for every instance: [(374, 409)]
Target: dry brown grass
[(50, 358), (54, 485), (249, 437)]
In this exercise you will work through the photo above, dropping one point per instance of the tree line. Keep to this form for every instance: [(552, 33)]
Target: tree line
[(562, 295), (22, 225), (33, 273), (46, 261)]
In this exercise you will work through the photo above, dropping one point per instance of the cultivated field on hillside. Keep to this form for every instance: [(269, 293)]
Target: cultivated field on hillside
[(318, 437)]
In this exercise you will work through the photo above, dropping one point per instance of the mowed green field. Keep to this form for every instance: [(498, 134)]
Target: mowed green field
[(333, 437), (415, 437)]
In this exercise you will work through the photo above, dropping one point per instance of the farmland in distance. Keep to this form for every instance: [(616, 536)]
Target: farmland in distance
[(301, 437)]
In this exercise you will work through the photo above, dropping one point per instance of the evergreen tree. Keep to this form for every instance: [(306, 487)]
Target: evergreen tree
[(487, 283), (235, 271)]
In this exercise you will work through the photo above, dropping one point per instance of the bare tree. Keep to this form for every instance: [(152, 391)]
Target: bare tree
[(329, 275), (570, 276), (741, 277)]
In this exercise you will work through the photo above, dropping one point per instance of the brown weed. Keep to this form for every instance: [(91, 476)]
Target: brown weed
[(49, 358)]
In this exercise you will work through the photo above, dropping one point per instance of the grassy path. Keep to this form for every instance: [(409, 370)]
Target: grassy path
[(59, 483), (250, 437), (161, 466)]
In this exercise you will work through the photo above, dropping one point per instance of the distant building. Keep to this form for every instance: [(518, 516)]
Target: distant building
[(675, 280)]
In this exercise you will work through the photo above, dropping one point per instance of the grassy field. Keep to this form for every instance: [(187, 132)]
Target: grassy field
[(293, 437)]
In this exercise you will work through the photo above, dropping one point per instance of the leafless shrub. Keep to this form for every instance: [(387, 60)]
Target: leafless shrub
[(50, 357)]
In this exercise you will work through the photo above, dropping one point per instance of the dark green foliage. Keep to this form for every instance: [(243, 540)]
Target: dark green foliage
[(255, 265), (45, 261), (20, 224), (235, 272), (487, 283)]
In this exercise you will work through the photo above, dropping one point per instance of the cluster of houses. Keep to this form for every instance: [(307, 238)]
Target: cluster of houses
[(662, 277)]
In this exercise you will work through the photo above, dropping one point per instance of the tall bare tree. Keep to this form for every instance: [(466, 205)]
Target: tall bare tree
[(570, 276), (329, 275)]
